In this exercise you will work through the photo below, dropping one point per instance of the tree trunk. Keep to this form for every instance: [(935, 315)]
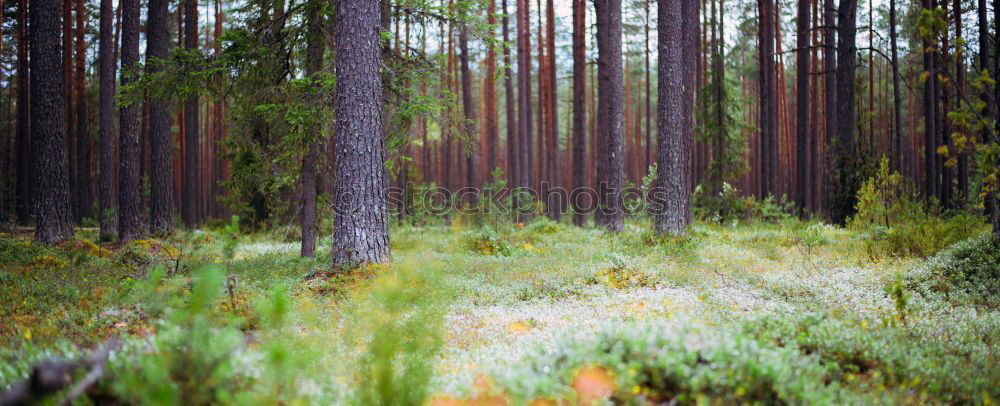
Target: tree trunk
[(555, 198), (829, 88), (68, 104), (82, 186), (900, 144), (671, 197), (129, 226), (469, 127), (25, 166), (995, 200), (315, 47), (578, 198), (536, 154), (610, 123), (846, 168), (768, 100), (360, 227), (161, 175), (803, 128), (53, 214), (190, 207), (523, 103), (490, 99), (963, 164), (513, 154), (691, 53), (930, 118), (647, 155), (106, 59)]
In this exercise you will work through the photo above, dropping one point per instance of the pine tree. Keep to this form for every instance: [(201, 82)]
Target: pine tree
[(161, 199), (360, 227), (190, 199), (803, 128), (106, 67), (579, 111), (129, 226), (25, 169), (315, 47), (671, 196), (53, 213), (847, 178), (610, 120)]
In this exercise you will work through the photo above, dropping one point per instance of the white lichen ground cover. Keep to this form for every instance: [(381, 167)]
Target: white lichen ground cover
[(797, 309), (772, 313), (541, 299)]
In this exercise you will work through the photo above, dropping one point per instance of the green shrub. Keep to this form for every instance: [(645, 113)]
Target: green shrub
[(399, 325), (894, 223), (542, 225), (189, 360), (656, 363), (729, 207), (621, 273), (967, 272), (487, 241)]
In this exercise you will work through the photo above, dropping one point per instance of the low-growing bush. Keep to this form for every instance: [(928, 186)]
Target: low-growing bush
[(189, 360), (894, 223), (967, 272), (486, 241), (655, 363), (728, 207), (621, 273)]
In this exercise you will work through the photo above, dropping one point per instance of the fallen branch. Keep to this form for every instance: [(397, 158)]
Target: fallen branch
[(51, 376)]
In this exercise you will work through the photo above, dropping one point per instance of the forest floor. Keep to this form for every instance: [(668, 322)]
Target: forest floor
[(791, 312)]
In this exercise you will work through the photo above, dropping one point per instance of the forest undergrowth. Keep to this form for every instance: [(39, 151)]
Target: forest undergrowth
[(787, 311)]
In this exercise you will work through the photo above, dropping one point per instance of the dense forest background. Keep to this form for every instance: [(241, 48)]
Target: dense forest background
[(447, 202), (232, 106)]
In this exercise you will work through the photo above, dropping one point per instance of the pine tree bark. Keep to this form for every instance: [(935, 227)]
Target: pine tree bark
[(963, 164), (85, 201), (523, 102), (490, 98), (190, 201), (129, 226), (671, 197), (315, 47), (578, 198), (555, 198), (106, 66), (360, 227), (647, 155), (513, 154), (846, 182), (829, 85), (25, 150), (995, 201), (161, 204), (900, 144), (469, 109), (53, 214), (768, 99), (930, 117), (611, 120), (691, 53), (803, 128), (68, 104)]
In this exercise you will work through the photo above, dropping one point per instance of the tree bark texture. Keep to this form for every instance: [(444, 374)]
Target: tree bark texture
[(360, 228), (129, 225), (53, 214), (610, 120)]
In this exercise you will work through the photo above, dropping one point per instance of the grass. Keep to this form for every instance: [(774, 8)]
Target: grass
[(795, 312)]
